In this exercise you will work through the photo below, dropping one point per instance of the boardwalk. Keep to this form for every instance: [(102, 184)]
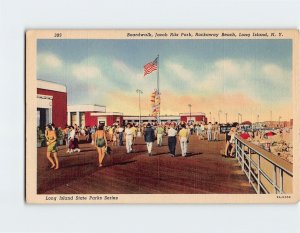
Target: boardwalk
[(203, 171)]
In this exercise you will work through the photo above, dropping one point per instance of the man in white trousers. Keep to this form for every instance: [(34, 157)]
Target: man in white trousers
[(183, 139), (160, 131), (128, 138)]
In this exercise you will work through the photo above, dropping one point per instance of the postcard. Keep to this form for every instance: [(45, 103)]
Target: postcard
[(162, 116)]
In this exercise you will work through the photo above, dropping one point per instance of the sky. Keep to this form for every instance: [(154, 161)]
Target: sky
[(250, 77)]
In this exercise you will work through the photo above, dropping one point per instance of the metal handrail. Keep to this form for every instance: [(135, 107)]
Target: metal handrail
[(248, 166)]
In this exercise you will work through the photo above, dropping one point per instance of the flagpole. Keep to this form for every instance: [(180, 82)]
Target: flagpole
[(158, 73), (158, 92)]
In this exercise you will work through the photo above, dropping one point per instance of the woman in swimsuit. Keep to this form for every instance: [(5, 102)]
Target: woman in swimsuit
[(101, 143), (52, 147)]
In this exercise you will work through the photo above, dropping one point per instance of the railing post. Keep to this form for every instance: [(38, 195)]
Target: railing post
[(236, 148), (249, 152), (258, 174), (243, 159), (281, 181), (275, 178)]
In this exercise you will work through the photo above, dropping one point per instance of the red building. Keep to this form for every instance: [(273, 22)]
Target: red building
[(194, 117), (89, 115), (51, 104), (107, 118)]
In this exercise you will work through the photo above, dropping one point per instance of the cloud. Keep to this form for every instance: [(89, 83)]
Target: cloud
[(49, 60), (228, 67), (82, 71), (276, 74), (185, 74), (120, 66)]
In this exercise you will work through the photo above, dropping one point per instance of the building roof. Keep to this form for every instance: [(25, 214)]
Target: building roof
[(86, 108), (172, 117), (192, 114), (106, 114), (52, 86)]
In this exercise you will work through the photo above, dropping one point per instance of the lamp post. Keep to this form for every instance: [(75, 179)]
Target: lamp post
[(190, 106), (279, 121), (220, 111), (239, 114), (210, 116), (226, 116), (257, 118), (139, 92)]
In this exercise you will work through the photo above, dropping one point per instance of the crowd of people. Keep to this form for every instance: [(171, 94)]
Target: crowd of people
[(102, 136), (105, 137)]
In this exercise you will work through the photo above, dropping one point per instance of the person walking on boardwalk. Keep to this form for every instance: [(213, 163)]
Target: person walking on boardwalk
[(52, 146), (183, 139), (159, 132), (209, 131), (128, 138), (134, 133), (100, 143), (73, 142), (172, 139), (149, 138), (216, 131), (202, 131), (66, 137), (110, 133), (93, 131), (198, 130), (114, 136), (120, 131)]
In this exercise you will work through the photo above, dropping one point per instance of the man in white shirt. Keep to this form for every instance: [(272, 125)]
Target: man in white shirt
[(216, 131), (128, 138), (172, 139), (209, 131)]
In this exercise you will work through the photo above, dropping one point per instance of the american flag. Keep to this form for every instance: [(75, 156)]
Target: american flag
[(150, 67)]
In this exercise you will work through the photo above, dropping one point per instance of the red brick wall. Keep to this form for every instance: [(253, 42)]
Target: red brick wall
[(197, 118), (183, 118), (59, 106), (90, 120)]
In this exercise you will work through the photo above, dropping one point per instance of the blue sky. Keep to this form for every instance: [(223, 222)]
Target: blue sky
[(235, 76)]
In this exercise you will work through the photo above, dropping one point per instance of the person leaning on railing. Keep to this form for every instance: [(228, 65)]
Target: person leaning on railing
[(230, 142)]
